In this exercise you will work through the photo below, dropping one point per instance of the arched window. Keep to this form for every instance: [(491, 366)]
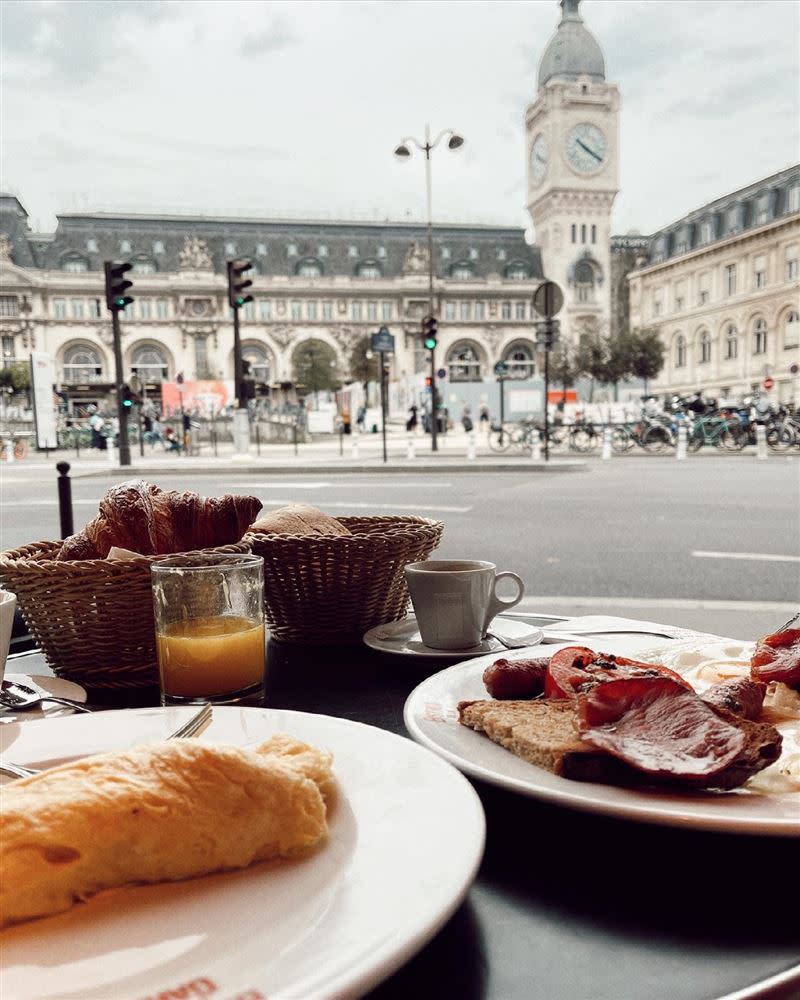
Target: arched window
[(680, 351), (464, 364), (258, 357), (704, 347), (74, 264), (791, 329), (150, 363), (369, 269), (517, 271), (521, 359), (584, 281), (760, 336), (82, 363), (462, 271), (309, 268), (731, 343), (143, 265)]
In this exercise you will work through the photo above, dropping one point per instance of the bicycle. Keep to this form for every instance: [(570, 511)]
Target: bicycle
[(726, 433)]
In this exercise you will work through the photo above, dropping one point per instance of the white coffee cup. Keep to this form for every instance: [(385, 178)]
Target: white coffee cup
[(455, 600), (8, 603)]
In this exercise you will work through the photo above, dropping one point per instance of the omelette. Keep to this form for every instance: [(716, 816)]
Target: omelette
[(157, 813)]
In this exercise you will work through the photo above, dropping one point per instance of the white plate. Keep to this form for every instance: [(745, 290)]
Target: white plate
[(47, 709), (406, 837), (403, 639), (431, 717)]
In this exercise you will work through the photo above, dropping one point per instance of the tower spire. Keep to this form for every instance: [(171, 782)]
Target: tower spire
[(569, 10)]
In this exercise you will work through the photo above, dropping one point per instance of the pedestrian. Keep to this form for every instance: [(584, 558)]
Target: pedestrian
[(96, 424), (483, 415), (466, 419), (361, 418), (411, 423), (171, 442), (187, 427), (157, 433), (345, 420)]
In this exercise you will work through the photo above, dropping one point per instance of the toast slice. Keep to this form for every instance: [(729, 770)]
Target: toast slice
[(545, 733)]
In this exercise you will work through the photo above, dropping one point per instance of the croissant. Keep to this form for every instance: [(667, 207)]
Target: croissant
[(144, 518)]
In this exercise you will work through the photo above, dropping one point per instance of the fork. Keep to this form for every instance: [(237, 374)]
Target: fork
[(196, 725)]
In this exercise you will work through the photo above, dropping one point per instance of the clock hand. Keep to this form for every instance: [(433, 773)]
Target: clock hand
[(591, 152)]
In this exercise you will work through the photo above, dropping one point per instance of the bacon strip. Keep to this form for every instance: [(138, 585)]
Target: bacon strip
[(777, 658)]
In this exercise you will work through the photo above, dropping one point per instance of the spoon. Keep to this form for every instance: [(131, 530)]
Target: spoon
[(532, 638), (20, 697)]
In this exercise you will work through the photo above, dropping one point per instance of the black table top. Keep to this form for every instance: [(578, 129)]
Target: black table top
[(567, 904)]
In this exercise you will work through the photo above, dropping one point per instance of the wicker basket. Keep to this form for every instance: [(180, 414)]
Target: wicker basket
[(332, 588), (92, 618)]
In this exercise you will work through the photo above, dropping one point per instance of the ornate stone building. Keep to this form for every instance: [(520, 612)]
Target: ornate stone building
[(722, 287), (328, 282), (572, 164)]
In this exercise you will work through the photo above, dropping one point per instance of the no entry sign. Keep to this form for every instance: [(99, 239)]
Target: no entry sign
[(769, 383)]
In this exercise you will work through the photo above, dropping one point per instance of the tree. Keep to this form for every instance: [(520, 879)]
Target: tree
[(647, 352), (16, 377), (564, 368), (617, 367), (590, 359), (363, 364), (314, 366)]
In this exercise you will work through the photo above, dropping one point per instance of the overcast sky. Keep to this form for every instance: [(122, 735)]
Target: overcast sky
[(269, 109)]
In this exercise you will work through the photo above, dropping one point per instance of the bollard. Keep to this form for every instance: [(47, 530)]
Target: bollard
[(680, 451), (294, 437), (536, 448), (258, 440), (64, 499), (471, 446), (354, 448), (761, 441), (411, 449), (110, 451), (606, 443)]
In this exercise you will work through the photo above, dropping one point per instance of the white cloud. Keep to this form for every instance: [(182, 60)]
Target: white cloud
[(287, 108)]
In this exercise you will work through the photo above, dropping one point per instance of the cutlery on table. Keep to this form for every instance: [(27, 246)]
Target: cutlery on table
[(196, 725), (578, 632), (18, 696), (517, 642)]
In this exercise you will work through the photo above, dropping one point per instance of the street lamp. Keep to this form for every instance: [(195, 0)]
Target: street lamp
[(403, 151)]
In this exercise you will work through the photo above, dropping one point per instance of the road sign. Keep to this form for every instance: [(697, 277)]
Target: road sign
[(548, 299), (794, 369), (501, 368), (769, 383), (382, 341), (441, 373)]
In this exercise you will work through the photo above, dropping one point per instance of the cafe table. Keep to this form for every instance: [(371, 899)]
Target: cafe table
[(569, 905)]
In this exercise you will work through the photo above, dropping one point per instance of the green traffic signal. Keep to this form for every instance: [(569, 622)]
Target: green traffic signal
[(430, 343)]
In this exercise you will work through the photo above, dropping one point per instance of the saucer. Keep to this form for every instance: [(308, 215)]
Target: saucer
[(402, 638), (43, 682)]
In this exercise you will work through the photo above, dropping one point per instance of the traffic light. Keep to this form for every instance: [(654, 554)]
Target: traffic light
[(127, 397), (117, 285), (430, 331), (237, 294)]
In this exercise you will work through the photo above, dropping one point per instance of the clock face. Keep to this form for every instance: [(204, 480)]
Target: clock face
[(586, 148), (539, 153)]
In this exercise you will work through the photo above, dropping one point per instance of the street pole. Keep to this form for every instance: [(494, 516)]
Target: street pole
[(381, 355), (237, 361), (429, 200), (548, 325), (122, 416), (502, 382)]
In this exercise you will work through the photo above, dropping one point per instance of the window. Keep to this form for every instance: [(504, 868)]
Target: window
[(462, 271), (311, 310), (731, 343), (372, 310), (794, 198), (355, 311), (520, 360), (150, 363), (584, 281), (473, 253), (760, 336), (480, 310), (501, 254), (382, 252), (763, 209), (8, 349), (463, 363), (734, 218), (291, 250), (158, 246), (704, 347), (74, 264), (583, 232), (201, 356), (143, 266), (295, 309), (680, 351), (82, 364), (261, 249), (657, 303), (730, 279), (680, 296), (125, 246), (162, 308), (519, 310), (77, 308), (706, 232), (445, 253), (704, 289), (594, 234), (386, 310), (145, 310), (574, 230), (517, 271), (322, 250), (257, 355), (327, 310), (505, 310), (60, 308), (791, 330), (450, 310), (9, 305), (760, 272), (465, 310), (309, 268), (265, 308), (91, 246), (352, 250), (95, 309), (792, 270), (248, 310), (369, 269), (230, 249)]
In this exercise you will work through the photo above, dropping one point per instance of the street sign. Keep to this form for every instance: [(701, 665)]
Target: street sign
[(547, 332), (548, 299), (501, 368), (382, 341), (794, 369), (769, 383), (441, 373)]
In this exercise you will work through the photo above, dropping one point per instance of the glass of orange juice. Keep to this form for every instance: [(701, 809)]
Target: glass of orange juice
[(209, 617)]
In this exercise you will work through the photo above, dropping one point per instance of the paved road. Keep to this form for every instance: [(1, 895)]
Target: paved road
[(663, 537)]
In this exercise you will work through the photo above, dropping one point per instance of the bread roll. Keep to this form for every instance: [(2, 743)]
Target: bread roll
[(161, 812), (299, 519)]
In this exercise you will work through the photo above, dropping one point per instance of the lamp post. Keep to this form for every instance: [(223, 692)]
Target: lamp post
[(454, 141)]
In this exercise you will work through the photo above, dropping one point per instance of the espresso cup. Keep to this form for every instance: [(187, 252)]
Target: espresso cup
[(8, 603), (455, 600)]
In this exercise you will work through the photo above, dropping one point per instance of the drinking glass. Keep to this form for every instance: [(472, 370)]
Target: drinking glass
[(209, 617)]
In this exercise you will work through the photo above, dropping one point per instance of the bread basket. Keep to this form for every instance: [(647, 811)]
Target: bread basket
[(332, 588), (92, 618)]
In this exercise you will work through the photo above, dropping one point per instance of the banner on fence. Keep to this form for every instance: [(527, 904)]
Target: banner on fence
[(205, 398)]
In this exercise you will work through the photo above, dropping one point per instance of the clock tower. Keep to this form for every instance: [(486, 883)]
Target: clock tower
[(573, 172)]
